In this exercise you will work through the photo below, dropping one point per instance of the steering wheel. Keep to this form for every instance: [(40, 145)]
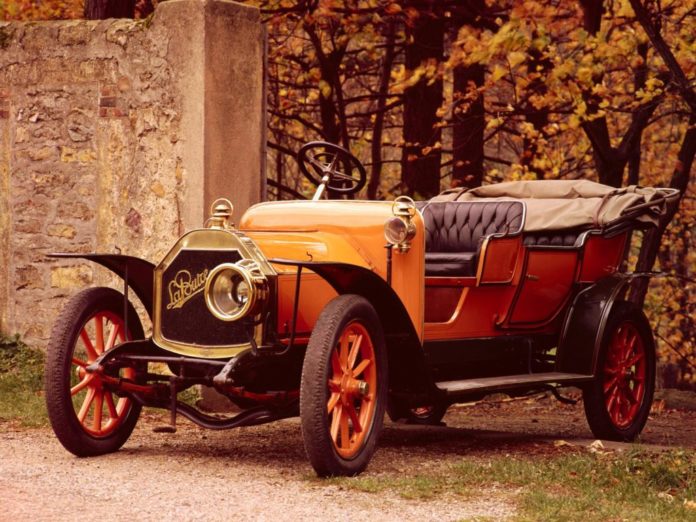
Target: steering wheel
[(332, 167)]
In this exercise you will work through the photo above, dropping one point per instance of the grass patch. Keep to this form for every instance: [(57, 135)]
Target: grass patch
[(21, 383), (575, 486)]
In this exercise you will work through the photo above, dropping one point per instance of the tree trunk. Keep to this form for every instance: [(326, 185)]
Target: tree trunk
[(468, 125), (102, 9), (376, 146), (420, 164), (639, 78), (537, 67)]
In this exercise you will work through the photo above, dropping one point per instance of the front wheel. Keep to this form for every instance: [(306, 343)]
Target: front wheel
[(344, 387), (86, 416), (617, 403)]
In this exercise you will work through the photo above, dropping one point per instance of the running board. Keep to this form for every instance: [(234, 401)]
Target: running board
[(510, 381)]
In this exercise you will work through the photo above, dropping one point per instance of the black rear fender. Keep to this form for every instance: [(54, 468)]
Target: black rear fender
[(585, 323)]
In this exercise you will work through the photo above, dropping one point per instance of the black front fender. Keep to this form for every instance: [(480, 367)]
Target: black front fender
[(136, 272), (408, 370)]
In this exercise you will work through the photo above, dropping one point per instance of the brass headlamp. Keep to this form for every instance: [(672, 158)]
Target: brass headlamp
[(400, 230), (236, 290)]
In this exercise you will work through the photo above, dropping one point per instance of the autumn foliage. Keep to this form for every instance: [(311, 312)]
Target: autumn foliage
[(432, 94)]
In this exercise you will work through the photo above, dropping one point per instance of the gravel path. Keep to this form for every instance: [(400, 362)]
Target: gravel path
[(257, 473), (261, 472)]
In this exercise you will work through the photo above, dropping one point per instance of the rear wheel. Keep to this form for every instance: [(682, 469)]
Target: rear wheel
[(89, 419), (427, 415), (344, 387), (617, 403)]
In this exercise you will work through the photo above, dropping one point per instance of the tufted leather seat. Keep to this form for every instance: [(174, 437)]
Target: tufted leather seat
[(455, 229), (561, 238)]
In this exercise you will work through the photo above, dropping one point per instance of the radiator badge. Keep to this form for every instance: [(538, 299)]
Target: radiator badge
[(184, 286)]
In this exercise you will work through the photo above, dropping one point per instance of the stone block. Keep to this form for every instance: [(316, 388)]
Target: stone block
[(71, 276), (29, 277), (61, 230)]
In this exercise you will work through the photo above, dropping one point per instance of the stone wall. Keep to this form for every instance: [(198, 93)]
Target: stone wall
[(111, 135)]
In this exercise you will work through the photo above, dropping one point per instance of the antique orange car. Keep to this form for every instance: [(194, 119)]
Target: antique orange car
[(339, 310)]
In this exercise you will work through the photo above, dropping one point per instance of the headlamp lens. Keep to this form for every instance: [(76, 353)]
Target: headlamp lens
[(229, 293), (395, 231)]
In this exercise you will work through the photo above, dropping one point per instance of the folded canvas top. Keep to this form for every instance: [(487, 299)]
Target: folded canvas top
[(562, 204)]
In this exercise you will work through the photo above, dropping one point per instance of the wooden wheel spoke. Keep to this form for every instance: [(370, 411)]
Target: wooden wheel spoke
[(343, 354), (357, 427), (91, 351), (335, 421), (610, 385), (354, 350), (113, 414), (613, 397), (81, 385), (336, 364), (345, 431), (115, 330), (361, 367), (333, 400), (98, 404), (99, 333), (631, 396), (634, 360), (631, 339), (86, 404), (79, 362)]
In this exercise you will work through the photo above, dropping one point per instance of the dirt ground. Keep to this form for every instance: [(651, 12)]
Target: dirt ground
[(261, 473)]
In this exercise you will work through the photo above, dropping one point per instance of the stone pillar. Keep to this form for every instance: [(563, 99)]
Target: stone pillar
[(220, 48)]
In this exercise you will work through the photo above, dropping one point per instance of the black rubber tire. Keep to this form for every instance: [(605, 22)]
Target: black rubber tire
[(314, 390), (593, 394), (61, 412), (433, 417)]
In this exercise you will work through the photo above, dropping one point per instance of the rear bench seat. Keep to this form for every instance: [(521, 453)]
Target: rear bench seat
[(556, 238), (455, 229)]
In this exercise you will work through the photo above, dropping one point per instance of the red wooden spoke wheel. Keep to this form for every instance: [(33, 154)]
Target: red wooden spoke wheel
[(344, 387), (427, 414), (351, 404), (98, 410), (87, 417), (617, 403), (624, 374)]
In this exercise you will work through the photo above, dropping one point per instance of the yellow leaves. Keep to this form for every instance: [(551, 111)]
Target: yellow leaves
[(625, 9), (392, 9), (581, 109), (427, 150), (494, 123), (498, 72), (653, 84), (515, 58), (574, 121), (325, 89), (584, 74)]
